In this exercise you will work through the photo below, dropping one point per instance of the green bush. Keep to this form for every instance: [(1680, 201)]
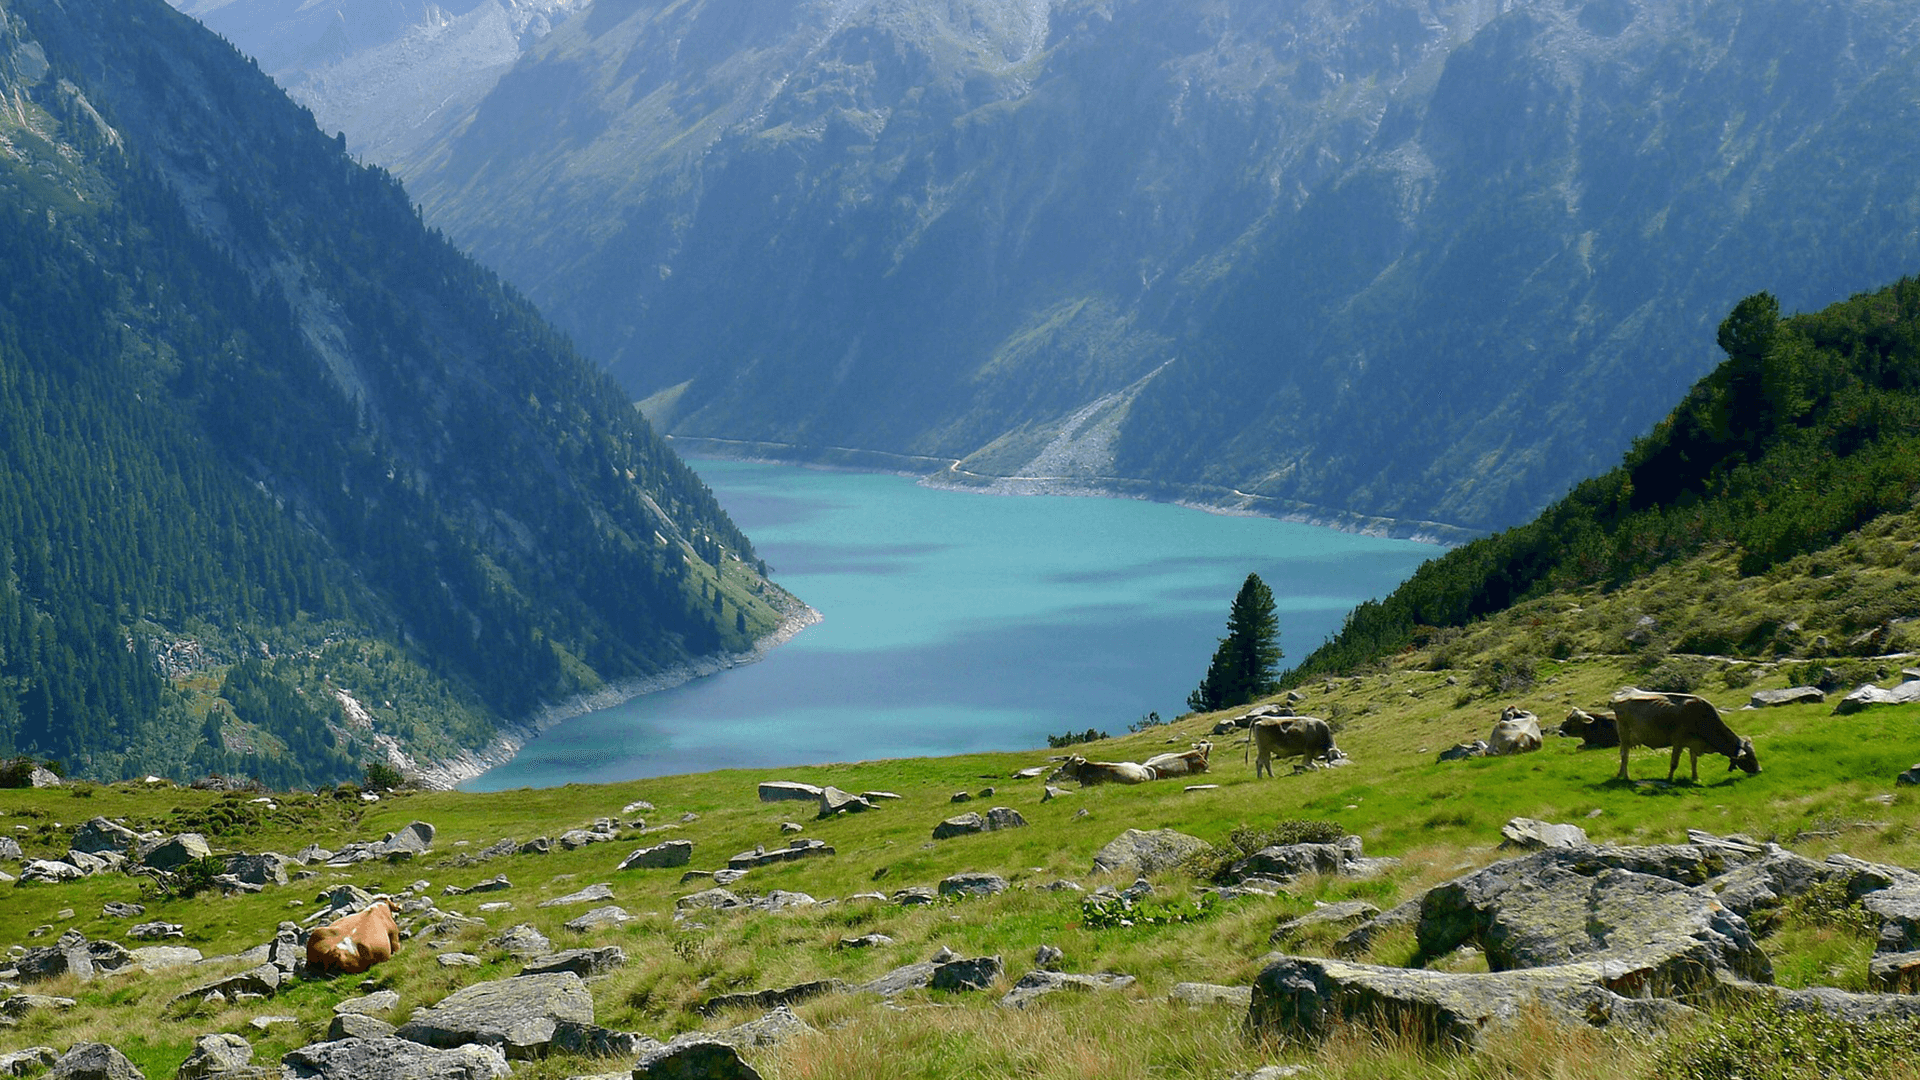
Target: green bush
[(1679, 674), (1772, 1044), (1071, 738)]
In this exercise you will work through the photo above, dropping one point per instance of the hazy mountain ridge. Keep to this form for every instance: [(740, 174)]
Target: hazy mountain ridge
[(1420, 260), (292, 483)]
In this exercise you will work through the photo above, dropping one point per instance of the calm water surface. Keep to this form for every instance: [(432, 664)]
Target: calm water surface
[(959, 622)]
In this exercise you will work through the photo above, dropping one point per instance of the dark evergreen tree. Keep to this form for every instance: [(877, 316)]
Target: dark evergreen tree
[(1247, 663)]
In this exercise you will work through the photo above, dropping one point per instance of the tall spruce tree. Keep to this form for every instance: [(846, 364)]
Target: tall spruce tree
[(1246, 665)]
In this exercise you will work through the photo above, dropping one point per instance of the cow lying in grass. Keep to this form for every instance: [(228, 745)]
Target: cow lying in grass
[(1184, 763), (353, 943), (1682, 721), (1105, 772)]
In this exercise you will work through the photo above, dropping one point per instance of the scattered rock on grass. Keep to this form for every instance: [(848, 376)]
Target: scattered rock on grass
[(390, 1057), (1038, 984), (93, 1061), (519, 1014), (1142, 852)]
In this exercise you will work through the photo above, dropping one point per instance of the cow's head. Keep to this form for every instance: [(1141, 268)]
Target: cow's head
[(1746, 759), (1204, 747)]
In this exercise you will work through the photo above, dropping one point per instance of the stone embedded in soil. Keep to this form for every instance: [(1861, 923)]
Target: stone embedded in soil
[(1138, 852), (392, 1058), (519, 1014)]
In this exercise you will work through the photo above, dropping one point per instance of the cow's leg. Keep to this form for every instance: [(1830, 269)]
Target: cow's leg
[(1696, 765), (1263, 766), (1673, 763), (1622, 774)]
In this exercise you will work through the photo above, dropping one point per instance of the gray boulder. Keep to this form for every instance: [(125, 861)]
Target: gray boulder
[(393, 1058), (32, 1059), (585, 963), (834, 801), (961, 825), (664, 854), (901, 979), (1526, 834), (1284, 862), (523, 942), (864, 941), (1344, 913), (1908, 778), (174, 852), (1793, 695), (16, 1006), (262, 981), (10, 848), (694, 1059), (519, 1015), (38, 777), (588, 895), (99, 834), (973, 973), (1868, 695), (973, 884), (795, 850), (1539, 911), (155, 931), (1199, 995), (767, 1000), (352, 1025), (498, 883), (1465, 750), (154, 958), (1859, 1008), (68, 955), (1296, 997), (93, 1061), (1895, 973), (1139, 853), (50, 871), (1753, 890), (610, 915), (1898, 908), (788, 790), (1038, 984), (1004, 817), (266, 868), (709, 899), (114, 909), (216, 1055), (368, 1004)]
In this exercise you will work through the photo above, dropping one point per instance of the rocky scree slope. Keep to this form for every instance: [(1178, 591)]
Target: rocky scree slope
[(1414, 260)]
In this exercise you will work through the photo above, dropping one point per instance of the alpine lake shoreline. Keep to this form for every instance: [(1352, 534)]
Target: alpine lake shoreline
[(859, 944)]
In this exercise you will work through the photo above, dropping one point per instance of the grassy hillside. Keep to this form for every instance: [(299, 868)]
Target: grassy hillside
[(1826, 787), (1808, 429)]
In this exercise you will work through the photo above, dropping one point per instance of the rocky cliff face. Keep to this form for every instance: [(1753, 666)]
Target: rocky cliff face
[(1411, 258), (393, 74)]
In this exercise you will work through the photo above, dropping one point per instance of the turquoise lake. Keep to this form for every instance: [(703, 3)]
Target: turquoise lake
[(959, 622)]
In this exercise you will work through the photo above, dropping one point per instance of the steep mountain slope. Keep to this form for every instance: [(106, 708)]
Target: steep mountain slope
[(1806, 432), (392, 74), (291, 484), (1406, 258)]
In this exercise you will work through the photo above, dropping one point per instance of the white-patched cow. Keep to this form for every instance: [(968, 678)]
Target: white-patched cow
[(1518, 732), (351, 944)]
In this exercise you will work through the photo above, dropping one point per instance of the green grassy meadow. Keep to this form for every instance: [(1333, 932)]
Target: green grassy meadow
[(1826, 786)]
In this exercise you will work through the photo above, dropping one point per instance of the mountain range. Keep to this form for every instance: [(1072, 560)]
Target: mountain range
[(1406, 264), (291, 484)]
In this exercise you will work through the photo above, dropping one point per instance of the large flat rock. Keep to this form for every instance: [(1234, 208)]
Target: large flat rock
[(519, 1015), (393, 1058), (1307, 997)]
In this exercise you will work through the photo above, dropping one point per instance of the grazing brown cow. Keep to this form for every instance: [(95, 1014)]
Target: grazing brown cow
[(1185, 763), (1682, 721), (1305, 737), (353, 943)]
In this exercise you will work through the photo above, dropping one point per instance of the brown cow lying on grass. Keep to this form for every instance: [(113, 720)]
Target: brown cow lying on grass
[(1682, 721), (353, 943)]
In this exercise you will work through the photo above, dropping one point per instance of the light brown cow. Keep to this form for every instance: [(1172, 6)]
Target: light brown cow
[(1682, 721), (353, 943), (1104, 772), (1305, 737), (1185, 763)]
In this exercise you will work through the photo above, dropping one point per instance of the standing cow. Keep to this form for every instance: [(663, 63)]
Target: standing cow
[(1682, 721), (1305, 737)]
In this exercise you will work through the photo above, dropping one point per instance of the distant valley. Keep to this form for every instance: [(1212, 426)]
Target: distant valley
[(1409, 265)]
